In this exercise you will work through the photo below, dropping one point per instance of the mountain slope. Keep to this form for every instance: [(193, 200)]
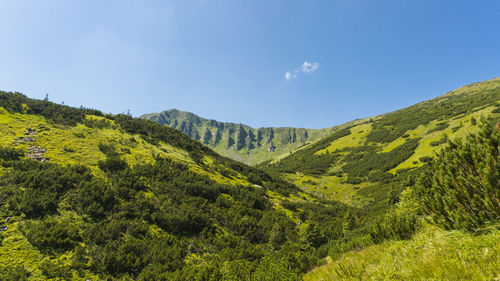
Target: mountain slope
[(360, 161), (84, 195), (240, 142)]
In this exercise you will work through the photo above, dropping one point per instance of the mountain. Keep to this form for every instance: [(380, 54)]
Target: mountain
[(92, 196), (360, 162), (237, 141)]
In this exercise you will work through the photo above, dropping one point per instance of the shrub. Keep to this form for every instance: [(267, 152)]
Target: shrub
[(51, 234), (461, 189), (394, 225), (9, 154), (108, 149), (425, 159), (14, 273), (443, 140), (112, 164)]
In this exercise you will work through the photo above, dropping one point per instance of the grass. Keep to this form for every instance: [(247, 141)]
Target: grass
[(15, 250), (432, 254), (332, 188), (356, 138), (79, 145), (335, 188), (426, 149)]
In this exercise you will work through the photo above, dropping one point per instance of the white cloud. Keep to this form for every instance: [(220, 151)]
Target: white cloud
[(306, 67)]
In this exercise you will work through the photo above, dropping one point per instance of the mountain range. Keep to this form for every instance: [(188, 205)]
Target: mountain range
[(238, 141)]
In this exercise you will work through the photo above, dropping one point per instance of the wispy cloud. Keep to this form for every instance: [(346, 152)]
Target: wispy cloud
[(306, 67)]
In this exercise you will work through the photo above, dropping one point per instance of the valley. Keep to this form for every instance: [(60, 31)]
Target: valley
[(92, 196)]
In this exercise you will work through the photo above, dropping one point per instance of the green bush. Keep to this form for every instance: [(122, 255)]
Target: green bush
[(9, 154), (14, 273), (395, 225), (51, 234), (461, 189), (443, 140), (112, 164), (108, 149)]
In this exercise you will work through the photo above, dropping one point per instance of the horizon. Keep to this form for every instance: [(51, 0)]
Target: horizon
[(281, 64)]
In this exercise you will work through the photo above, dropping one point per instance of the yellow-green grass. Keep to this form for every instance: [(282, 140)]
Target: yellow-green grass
[(16, 251), (331, 187), (79, 144), (332, 129), (476, 87), (276, 199), (356, 138), (432, 254), (425, 148)]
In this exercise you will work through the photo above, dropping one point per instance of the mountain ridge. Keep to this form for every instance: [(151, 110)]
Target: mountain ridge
[(236, 140)]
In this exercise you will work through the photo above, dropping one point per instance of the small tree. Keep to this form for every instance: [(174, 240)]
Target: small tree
[(461, 189), (348, 222), (393, 196)]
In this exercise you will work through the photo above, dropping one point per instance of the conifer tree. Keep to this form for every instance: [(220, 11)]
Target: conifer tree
[(393, 196), (461, 189), (348, 222)]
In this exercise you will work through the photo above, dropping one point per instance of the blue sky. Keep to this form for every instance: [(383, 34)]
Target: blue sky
[(314, 63)]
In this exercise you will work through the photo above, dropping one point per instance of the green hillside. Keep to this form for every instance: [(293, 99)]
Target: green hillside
[(381, 165), (360, 161), (443, 226), (237, 141), (412, 194), (90, 196)]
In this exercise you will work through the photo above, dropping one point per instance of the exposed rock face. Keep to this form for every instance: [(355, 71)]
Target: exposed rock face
[(224, 137)]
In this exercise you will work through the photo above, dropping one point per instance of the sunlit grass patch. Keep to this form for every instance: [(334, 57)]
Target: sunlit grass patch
[(356, 138), (432, 254)]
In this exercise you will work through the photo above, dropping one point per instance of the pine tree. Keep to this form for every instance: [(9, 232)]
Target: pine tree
[(393, 196), (348, 222), (461, 189)]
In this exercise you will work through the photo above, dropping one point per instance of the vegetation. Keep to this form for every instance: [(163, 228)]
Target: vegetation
[(169, 218), (240, 142), (85, 195), (382, 150), (432, 254), (461, 190), (144, 220)]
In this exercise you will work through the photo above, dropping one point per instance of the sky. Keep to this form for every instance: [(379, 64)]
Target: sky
[(300, 63)]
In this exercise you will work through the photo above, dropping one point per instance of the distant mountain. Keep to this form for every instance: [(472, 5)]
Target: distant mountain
[(237, 141)]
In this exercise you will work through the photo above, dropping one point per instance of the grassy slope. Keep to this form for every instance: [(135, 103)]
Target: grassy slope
[(334, 186), (196, 126), (69, 145), (432, 254), (79, 144)]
